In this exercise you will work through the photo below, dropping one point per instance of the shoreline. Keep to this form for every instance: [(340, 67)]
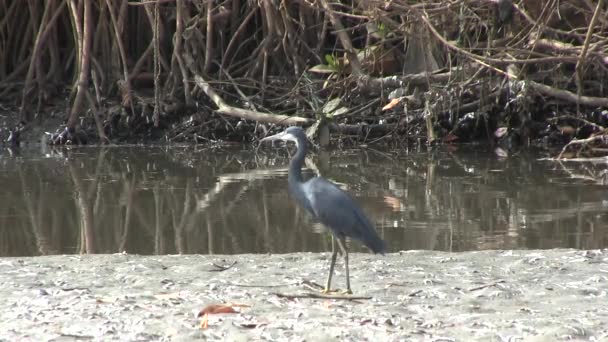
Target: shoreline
[(540, 295)]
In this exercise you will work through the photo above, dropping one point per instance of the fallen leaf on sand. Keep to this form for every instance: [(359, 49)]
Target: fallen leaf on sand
[(204, 324), (217, 309), (213, 309)]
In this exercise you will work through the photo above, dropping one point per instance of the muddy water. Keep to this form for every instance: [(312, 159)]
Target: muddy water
[(167, 200)]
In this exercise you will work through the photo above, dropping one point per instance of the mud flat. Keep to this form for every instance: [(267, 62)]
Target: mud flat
[(544, 295)]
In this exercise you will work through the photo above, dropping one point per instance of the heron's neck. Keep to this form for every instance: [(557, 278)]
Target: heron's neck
[(295, 166)]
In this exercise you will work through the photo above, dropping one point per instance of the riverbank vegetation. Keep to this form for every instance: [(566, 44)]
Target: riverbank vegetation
[(442, 71)]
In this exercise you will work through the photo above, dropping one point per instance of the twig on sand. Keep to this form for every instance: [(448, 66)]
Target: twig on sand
[(222, 268), (311, 285), (261, 286), (320, 295), (487, 285)]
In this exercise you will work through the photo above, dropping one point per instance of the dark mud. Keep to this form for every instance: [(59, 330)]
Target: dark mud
[(492, 295)]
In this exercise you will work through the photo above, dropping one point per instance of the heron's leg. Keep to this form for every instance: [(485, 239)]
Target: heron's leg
[(334, 254), (342, 244)]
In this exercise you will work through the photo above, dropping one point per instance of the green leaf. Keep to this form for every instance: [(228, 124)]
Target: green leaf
[(331, 105), (340, 111)]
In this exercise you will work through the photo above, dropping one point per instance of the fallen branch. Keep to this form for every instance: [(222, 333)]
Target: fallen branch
[(571, 117), (376, 85), (568, 96), (320, 296), (600, 137), (246, 114), (596, 160), (261, 286)]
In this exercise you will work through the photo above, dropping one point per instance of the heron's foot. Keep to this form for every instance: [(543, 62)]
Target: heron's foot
[(327, 290), (337, 291)]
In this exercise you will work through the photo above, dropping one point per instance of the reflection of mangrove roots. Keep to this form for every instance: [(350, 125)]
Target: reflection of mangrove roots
[(68, 136)]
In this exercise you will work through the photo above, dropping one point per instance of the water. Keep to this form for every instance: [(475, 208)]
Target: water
[(167, 200)]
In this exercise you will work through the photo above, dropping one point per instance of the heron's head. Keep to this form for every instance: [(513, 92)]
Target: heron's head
[(293, 133)]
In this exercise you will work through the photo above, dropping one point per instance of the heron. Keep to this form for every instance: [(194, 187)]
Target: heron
[(329, 205)]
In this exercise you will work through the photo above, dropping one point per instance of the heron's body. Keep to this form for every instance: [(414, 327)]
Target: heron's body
[(328, 204), (337, 210)]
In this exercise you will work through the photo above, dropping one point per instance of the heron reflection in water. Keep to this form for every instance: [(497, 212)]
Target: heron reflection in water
[(329, 205)]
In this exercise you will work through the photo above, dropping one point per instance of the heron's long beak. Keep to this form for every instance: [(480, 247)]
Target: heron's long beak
[(278, 136)]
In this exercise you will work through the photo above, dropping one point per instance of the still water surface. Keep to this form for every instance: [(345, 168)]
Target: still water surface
[(166, 200)]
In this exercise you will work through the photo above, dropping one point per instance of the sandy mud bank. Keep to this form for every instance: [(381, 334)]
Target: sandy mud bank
[(420, 295)]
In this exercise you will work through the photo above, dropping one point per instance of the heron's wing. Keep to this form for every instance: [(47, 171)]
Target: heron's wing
[(338, 211), (301, 197)]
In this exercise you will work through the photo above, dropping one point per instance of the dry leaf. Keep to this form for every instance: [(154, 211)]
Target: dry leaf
[(392, 104), (212, 309), (204, 321), (567, 130)]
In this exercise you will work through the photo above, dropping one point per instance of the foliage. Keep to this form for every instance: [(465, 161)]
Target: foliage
[(130, 65)]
